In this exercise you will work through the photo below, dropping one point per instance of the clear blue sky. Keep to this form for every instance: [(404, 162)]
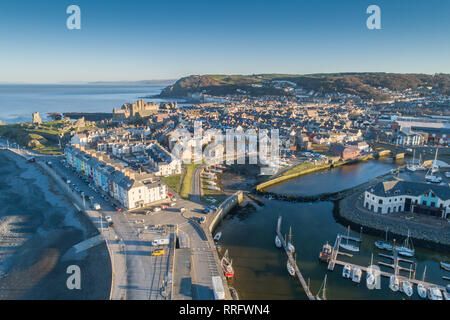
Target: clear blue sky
[(138, 39)]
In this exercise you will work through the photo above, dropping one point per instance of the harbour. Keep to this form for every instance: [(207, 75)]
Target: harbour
[(256, 258)]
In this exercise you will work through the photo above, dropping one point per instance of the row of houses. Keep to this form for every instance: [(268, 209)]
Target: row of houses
[(130, 189), (406, 196)]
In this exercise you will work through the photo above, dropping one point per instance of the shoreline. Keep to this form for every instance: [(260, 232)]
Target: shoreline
[(35, 266)]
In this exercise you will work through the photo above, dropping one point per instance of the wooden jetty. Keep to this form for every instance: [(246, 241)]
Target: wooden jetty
[(335, 261), (293, 263)]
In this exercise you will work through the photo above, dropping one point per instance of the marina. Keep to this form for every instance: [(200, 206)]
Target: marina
[(264, 260), (395, 266)]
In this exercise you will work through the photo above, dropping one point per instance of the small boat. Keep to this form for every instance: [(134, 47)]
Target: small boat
[(234, 293), (446, 295), (322, 290), (407, 288), (383, 245), (371, 278), (290, 246), (218, 236), (394, 284), (447, 174), (348, 246), (434, 293), (421, 288), (218, 247), (406, 249), (290, 268), (356, 275), (347, 271), (277, 242), (412, 167), (422, 291), (324, 255), (227, 265), (445, 266)]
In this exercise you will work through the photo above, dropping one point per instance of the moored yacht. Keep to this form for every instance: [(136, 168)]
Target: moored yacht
[(394, 283), (356, 275), (347, 271), (434, 293), (277, 242), (290, 268), (407, 288), (325, 254)]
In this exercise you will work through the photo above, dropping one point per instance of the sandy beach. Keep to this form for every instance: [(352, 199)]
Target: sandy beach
[(37, 226)]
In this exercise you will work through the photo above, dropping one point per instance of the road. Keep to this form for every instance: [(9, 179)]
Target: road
[(196, 187)]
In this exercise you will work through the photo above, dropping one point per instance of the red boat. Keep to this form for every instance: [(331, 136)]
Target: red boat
[(227, 266), (324, 255)]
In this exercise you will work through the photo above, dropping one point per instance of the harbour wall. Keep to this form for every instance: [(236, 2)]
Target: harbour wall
[(224, 208)]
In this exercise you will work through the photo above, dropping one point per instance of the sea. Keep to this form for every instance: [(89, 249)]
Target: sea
[(19, 101)]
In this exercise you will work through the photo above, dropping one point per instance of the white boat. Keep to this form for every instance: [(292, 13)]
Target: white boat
[(348, 246), (406, 249), (394, 284), (218, 236), (422, 291), (384, 245), (356, 275), (290, 246), (290, 268), (370, 277), (429, 176), (445, 266), (407, 288), (446, 295), (347, 271), (434, 293), (447, 174), (412, 167), (421, 288), (322, 289), (277, 242)]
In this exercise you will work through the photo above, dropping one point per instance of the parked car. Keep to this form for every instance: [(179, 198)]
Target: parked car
[(172, 204), (202, 219), (157, 209), (158, 252)]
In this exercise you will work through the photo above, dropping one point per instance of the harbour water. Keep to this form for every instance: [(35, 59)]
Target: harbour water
[(261, 267)]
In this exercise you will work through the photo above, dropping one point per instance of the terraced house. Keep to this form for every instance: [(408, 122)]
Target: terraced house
[(406, 196), (131, 189)]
